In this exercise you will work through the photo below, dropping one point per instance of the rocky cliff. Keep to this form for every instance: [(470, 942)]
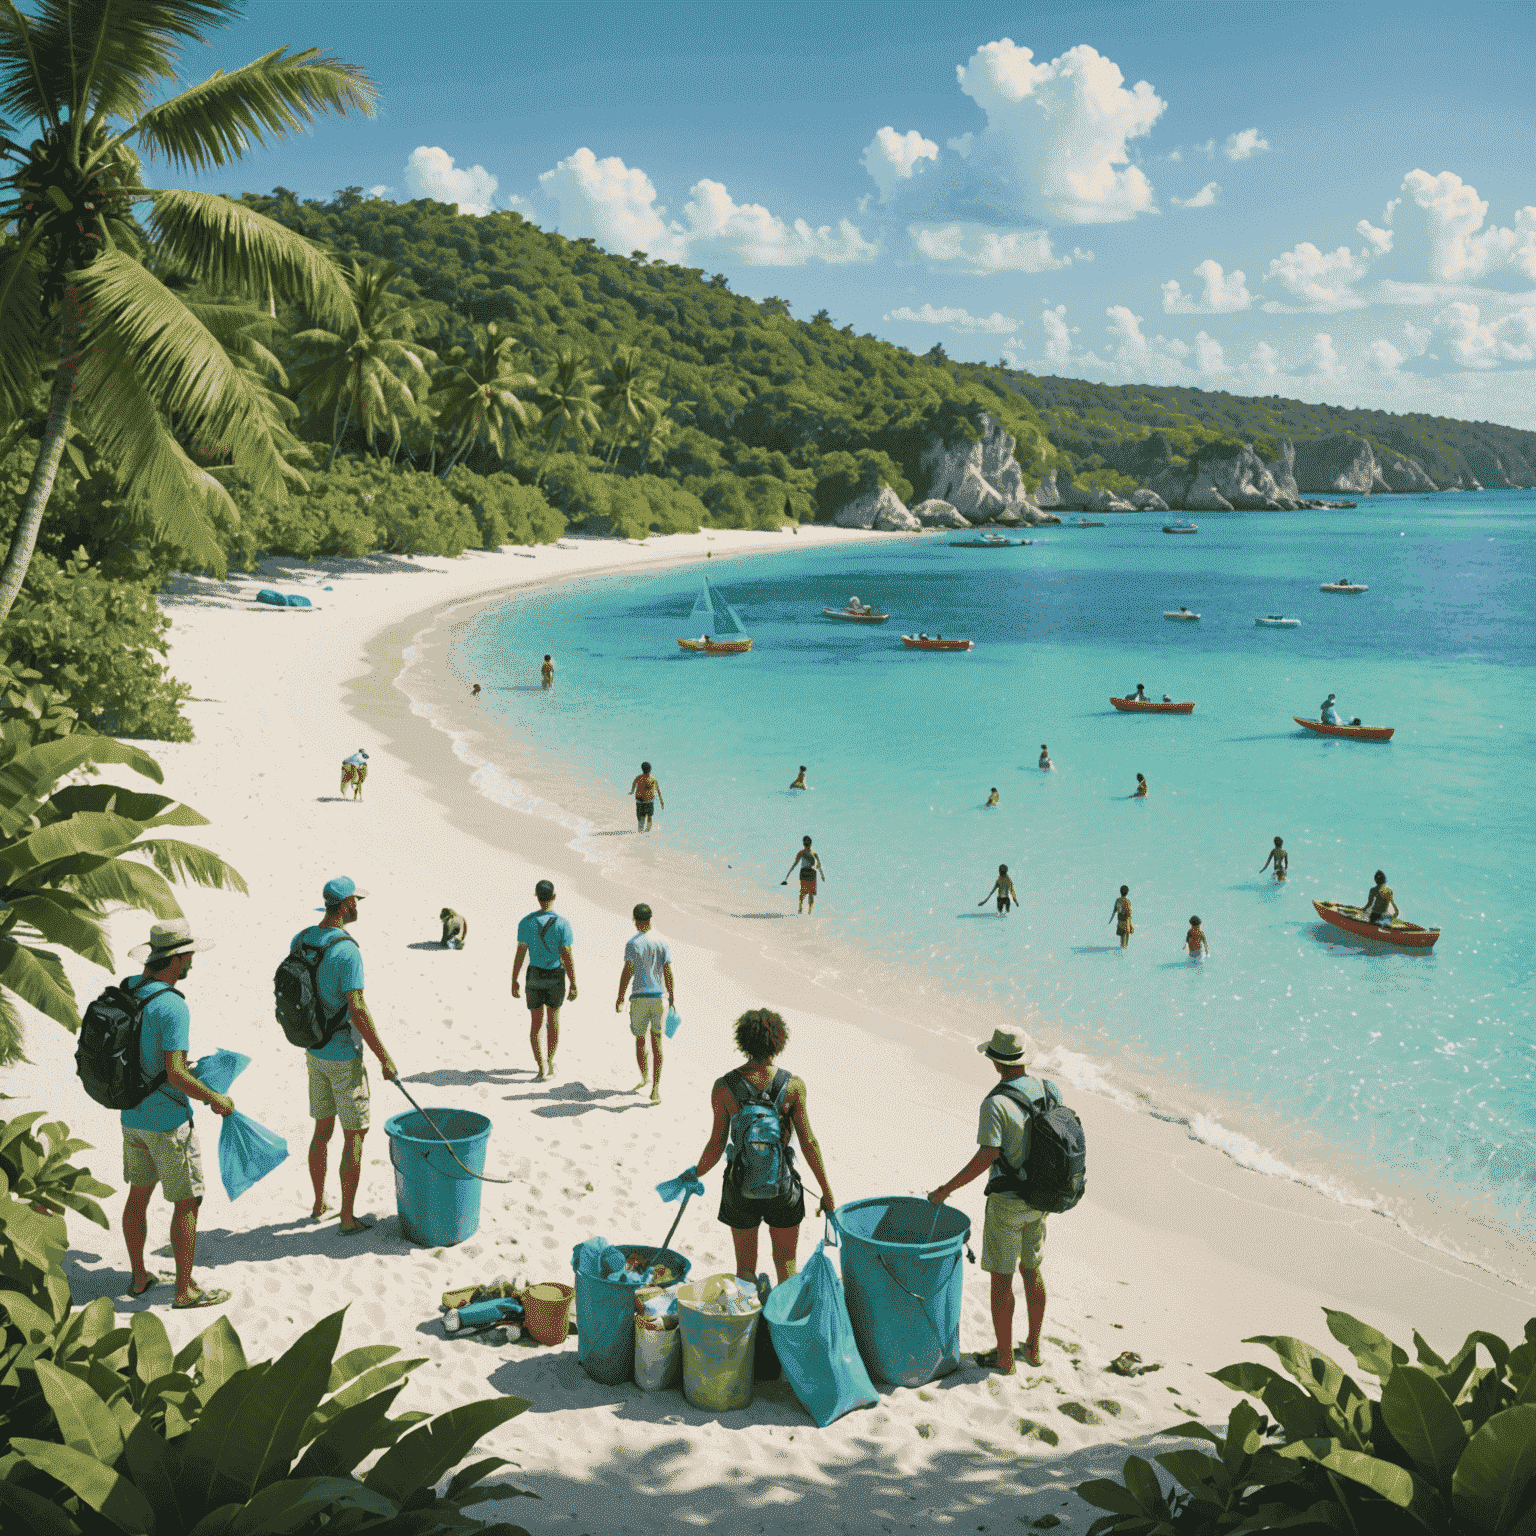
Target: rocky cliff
[(982, 480), (1349, 463)]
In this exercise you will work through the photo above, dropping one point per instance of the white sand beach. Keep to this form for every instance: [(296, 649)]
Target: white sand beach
[(1176, 1253)]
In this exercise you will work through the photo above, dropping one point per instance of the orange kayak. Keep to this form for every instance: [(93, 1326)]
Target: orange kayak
[(1355, 732), (716, 647), (922, 643), (1354, 920), (1150, 707)]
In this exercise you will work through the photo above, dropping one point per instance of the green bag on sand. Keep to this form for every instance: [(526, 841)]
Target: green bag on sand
[(674, 1022)]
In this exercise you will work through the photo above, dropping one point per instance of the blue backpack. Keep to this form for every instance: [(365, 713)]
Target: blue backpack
[(1055, 1172), (759, 1162)]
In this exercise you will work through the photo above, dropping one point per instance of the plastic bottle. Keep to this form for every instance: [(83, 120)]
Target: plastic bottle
[(481, 1314)]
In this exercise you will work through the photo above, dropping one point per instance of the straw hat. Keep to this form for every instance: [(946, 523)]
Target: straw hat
[(1012, 1046), (167, 940)]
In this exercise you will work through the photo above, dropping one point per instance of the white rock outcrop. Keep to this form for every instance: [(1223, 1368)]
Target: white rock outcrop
[(1147, 501), (896, 519), (939, 514), (981, 480), (863, 511)]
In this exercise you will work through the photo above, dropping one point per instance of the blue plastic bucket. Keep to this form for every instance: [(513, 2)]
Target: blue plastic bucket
[(605, 1317), (439, 1203), (902, 1260)]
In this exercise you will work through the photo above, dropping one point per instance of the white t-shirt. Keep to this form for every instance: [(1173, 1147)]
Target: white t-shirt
[(1004, 1124), (648, 952)]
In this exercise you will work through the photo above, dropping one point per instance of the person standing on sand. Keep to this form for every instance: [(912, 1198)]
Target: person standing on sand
[(354, 771), (761, 1036), (1013, 1236), (159, 1142), (799, 780), (544, 941), (1006, 895), (647, 793), (338, 1076), (1281, 860), (547, 671), (1121, 916), (648, 963), (810, 867), (1195, 940), (1141, 787)]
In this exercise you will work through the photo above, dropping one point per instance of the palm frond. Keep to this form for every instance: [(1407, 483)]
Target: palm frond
[(24, 84), (94, 833), (21, 322), (11, 1054), (234, 249), (38, 978), (215, 123), (54, 922), (108, 797), (122, 880), (26, 777), (190, 864)]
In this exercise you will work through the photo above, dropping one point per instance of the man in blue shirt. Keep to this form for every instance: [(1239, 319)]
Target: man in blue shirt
[(648, 963), (544, 941), (159, 1143), (338, 1076)]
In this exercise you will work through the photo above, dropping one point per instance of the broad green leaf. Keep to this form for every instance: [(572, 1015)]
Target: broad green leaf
[(86, 1424), (37, 977), (1202, 1475), (151, 1347), (1144, 1486), (98, 1486), (356, 1361), (1373, 1350), (1297, 1412), (1424, 1421), (425, 1455), (156, 1469), (351, 1436), (26, 1314), (220, 1353), (465, 1478), (365, 1386), (1193, 1431), (188, 1356), (1102, 1493), (1322, 1378), (1393, 1483), (88, 1327), (283, 1506), (1245, 1434), (1427, 1357), (1495, 1470), (55, 923), (33, 1513)]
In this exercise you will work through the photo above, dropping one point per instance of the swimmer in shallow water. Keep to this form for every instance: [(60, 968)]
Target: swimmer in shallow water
[(1281, 860), (799, 780), (1120, 916), (1045, 759), (993, 798), (1141, 787), (1004, 888), (1195, 940)]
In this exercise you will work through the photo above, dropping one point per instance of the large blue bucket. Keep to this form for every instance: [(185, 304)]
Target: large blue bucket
[(901, 1271), (605, 1317), (439, 1203)]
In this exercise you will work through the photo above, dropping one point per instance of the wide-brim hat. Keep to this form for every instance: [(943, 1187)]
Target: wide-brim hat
[(1013, 1046), (167, 940)]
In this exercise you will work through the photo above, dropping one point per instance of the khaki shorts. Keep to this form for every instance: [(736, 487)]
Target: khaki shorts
[(167, 1158), (1012, 1237), (339, 1088), (647, 1013)]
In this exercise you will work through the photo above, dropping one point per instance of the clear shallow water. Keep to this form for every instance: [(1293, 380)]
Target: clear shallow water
[(1402, 1078)]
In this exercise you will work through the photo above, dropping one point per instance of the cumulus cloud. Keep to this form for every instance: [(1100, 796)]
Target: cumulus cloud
[(957, 319), (1208, 149), (1223, 295), (892, 158), (430, 172), (1384, 355), (1244, 145), (1476, 343), (970, 249), (1264, 362), (1210, 357), (750, 233), (1461, 250), (1418, 337), (379, 191), (1137, 355), (1380, 240), (1319, 280), (1202, 199), (1058, 335), (612, 203), (1324, 357)]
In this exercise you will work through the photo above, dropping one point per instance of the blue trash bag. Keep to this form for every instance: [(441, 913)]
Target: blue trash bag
[(220, 1069), (271, 599), (808, 1317), (295, 601), (247, 1153), (674, 1022), (587, 1257)]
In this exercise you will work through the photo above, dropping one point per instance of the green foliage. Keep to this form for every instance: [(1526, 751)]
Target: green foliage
[(1447, 1448), (504, 509), (68, 854), (30, 710), (627, 507)]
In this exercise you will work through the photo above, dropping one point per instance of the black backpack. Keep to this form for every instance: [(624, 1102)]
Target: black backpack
[(107, 1056), (1055, 1172), (296, 993)]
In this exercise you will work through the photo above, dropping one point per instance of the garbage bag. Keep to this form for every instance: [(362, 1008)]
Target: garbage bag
[(248, 1152), (220, 1069), (597, 1257), (674, 1022), (688, 1182), (812, 1333)]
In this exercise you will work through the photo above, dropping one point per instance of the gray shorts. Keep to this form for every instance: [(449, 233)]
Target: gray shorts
[(167, 1158)]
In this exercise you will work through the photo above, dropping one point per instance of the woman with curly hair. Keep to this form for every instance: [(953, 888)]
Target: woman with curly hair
[(761, 1036)]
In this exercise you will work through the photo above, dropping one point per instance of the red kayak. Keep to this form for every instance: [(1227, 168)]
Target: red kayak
[(1354, 920), (924, 643), (1150, 707), (1354, 732)]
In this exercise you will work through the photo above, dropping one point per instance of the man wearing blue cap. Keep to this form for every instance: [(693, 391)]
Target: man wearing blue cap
[(338, 1076)]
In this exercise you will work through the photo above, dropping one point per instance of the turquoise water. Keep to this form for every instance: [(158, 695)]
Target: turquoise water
[(1399, 1077)]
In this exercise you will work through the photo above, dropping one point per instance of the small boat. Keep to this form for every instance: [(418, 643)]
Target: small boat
[(989, 543), (1277, 621), (1150, 707), (1082, 522), (1181, 527), (1181, 613), (1343, 586), (1354, 920), (855, 618), (1354, 732), (726, 635), (933, 643)]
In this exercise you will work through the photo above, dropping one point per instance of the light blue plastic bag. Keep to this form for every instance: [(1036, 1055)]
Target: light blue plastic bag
[(813, 1336), (674, 1022), (220, 1069), (248, 1152), (687, 1182)]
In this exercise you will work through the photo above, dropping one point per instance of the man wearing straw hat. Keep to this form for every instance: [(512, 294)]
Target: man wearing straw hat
[(338, 1076), (1014, 1232), (159, 1142)]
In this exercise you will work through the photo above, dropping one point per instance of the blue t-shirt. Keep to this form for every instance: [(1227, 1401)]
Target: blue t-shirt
[(648, 952), (341, 971), (545, 934), (167, 1027)]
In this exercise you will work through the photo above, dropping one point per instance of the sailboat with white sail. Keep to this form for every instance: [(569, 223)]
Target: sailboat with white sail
[(724, 634)]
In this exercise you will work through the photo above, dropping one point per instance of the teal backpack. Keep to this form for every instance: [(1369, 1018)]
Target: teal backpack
[(759, 1160)]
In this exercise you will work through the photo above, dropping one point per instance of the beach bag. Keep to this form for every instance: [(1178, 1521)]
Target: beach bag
[(296, 993), (247, 1153), (107, 1058), (759, 1158), (813, 1336), (674, 1022), (1055, 1172)]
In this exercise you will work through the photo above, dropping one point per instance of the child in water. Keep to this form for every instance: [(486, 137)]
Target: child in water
[(1195, 940), (799, 782), (1141, 787), (993, 798), (1006, 894), (1281, 860), (1121, 916), (1045, 759)]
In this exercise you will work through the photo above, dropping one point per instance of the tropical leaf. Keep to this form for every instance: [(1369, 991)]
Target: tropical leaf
[(353, 1434), (135, 885), (1372, 1349), (37, 977), (371, 1381), (55, 923), (119, 802), (155, 1468), (21, 323), (1496, 1470), (85, 1423), (1424, 1422), (356, 1361), (286, 1505), (190, 864), (423, 1457), (26, 777), (94, 1484), (34, 1514), (98, 833), (151, 1348)]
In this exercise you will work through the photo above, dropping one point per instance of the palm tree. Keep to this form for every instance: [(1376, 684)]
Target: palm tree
[(65, 854), (566, 404), (653, 435), (357, 370), (623, 396), (477, 403), (127, 358)]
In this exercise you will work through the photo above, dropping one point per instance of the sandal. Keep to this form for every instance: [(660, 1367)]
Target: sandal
[(987, 1361), (148, 1286), (201, 1299), (1022, 1352), (362, 1226)]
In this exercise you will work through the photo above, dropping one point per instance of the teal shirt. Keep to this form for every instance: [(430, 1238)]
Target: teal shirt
[(341, 971), (167, 1027), (1004, 1125)]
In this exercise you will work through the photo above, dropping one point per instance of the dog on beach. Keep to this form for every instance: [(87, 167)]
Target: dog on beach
[(455, 929)]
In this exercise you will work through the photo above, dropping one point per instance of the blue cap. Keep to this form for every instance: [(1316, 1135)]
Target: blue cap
[(336, 891)]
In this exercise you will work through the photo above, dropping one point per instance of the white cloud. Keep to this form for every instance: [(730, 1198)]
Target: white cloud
[(891, 158), (752, 234), (1418, 337), (1385, 356), (1389, 210), (1209, 354), (1320, 280), (612, 203), (980, 250), (1461, 250), (379, 191), (1244, 145), (957, 319), (1476, 343), (1324, 357), (1223, 295), (1135, 354), (1379, 239), (1202, 199), (1265, 361), (430, 172), (1058, 335)]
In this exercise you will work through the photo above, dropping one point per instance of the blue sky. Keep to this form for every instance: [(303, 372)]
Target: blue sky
[(1330, 201)]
